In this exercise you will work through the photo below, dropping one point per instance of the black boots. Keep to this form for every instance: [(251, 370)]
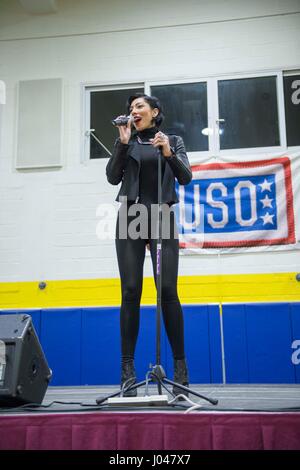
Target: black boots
[(128, 376), (181, 376)]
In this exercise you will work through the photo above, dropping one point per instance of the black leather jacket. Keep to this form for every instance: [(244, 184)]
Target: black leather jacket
[(124, 165)]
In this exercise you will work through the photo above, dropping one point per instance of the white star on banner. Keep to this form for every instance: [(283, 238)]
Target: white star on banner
[(266, 201), (265, 186), (267, 218)]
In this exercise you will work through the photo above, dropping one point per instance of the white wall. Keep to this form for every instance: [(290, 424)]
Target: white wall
[(48, 217)]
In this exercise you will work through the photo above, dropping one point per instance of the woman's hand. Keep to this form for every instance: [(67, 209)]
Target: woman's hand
[(125, 131), (162, 140)]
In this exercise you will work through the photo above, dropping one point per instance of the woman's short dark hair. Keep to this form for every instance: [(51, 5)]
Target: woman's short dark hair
[(152, 101)]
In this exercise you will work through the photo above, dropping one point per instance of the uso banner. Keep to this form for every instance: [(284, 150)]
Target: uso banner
[(238, 205)]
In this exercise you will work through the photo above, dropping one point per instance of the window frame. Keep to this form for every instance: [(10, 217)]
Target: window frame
[(193, 156), (289, 73), (214, 150), (280, 109), (86, 90)]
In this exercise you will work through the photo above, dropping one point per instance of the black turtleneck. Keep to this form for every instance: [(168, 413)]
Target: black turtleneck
[(148, 169), (147, 133)]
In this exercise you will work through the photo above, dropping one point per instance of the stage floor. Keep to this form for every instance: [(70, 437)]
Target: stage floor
[(231, 398)]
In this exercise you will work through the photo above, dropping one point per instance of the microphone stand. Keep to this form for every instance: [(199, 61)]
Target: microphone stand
[(89, 133), (156, 374), (158, 370)]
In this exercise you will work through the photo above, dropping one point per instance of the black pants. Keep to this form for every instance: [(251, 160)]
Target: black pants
[(131, 256)]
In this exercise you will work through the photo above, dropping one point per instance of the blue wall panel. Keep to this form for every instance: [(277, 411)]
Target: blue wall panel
[(235, 344), (215, 352), (61, 342), (146, 345), (197, 343), (295, 321), (258, 341), (196, 323), (100, 346), (82, 346), (269, 343)]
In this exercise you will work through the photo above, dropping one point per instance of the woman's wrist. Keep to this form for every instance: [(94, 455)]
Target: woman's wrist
[(167, 153)]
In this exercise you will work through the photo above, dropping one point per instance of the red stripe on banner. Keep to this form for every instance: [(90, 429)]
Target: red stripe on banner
[(289, 200), (252, 164)]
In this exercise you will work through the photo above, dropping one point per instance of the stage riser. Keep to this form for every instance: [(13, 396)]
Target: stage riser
[(162, 431)]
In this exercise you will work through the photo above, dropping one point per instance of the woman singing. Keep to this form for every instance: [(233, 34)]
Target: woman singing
[(134, 163)]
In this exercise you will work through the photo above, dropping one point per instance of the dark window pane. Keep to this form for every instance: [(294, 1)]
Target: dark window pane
[(249, 108), (185, 109), (292, 109), (106, 105)]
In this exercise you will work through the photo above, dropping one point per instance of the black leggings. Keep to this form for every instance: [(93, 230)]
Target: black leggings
[(131, 256)]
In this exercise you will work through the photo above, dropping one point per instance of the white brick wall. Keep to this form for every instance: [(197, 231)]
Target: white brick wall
[(48, 217)]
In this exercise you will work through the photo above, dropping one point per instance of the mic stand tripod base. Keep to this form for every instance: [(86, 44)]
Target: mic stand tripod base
[(151, 400), (158, 373)]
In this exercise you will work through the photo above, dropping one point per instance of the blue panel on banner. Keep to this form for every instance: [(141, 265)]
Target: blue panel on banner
[(215, 344), (235, 344), (100, 346), (295, 350), (269, 336), (35, 315), (242, 198), (61, 341)]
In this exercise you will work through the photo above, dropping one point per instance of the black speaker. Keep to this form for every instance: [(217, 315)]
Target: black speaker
[(24, 372)]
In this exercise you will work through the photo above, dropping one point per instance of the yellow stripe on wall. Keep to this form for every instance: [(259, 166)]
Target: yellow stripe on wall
[(275, 287)]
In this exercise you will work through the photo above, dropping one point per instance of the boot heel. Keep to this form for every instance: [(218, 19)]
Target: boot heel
[(181, 376), (128, 377)]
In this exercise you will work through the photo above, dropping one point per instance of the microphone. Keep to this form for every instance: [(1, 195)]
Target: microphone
[(121, 121)]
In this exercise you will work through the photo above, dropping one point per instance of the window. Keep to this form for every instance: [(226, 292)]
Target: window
[(104, 106), (185, 108), (292, 109), (235, 114), (248, 113)]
